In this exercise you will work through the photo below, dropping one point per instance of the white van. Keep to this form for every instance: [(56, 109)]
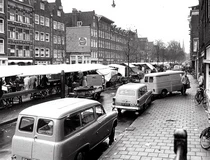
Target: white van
[(163, 82), (63, 129)]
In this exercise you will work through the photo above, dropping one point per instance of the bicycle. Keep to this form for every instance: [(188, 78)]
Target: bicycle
[(200, 95), (205, 136)]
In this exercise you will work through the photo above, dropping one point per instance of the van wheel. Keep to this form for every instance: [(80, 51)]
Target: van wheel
[(111, 137), (80, 156), (164, 93)]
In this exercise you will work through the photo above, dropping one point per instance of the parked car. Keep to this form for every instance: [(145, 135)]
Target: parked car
[(62, 129), (132, 97)]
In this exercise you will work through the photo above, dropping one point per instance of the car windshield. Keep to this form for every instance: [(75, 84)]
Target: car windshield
[(126, 92)]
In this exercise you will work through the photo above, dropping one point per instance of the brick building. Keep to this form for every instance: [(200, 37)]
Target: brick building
[(194, 37), (3, 33), (19, 32)]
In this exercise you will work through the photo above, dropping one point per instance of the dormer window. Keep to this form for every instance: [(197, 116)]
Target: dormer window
[(42, 6), (58, 13)]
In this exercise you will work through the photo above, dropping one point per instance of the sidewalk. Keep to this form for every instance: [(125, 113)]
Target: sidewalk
[(150, 137)]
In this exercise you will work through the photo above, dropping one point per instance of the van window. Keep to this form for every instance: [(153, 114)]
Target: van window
[(142, 91), (87, 116), (26, 124), (99, 111), (126, 92), (45, 126), (151, 79), (71, 124), (146, 79)]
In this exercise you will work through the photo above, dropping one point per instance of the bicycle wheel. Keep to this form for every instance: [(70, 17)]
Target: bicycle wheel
[(198, 98), (205, 138)]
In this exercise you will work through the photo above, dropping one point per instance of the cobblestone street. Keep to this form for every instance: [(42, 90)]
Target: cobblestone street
[(150, 137)]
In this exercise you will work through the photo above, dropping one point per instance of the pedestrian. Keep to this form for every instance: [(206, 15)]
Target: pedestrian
[(185, 81), (44, 81), (200, 80)]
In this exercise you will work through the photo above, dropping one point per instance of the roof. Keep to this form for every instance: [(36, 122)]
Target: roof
[(132, 86), (57, 109), (164, 73)]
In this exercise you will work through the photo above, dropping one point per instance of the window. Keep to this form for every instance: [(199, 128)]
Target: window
[(47, 22), (45, 126), (151, 79), (126, 92), (99, 111), (55, 53), (62, 26), (26, 124), (87, 116), (71, 124), (62, 40), (11, 32), (11, 16), (41, 20), (36, 52), (42, 36), (1, 26), (54, 24), (59, 26), (42, 52), (1, 5), (36, 19), (55, 39), (42, 6), (47, 52), (59, 40), (58, 13), (1, 46), (47, 37), (37, 35)]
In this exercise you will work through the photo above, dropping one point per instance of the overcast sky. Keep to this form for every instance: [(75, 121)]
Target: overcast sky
[(164, 20)]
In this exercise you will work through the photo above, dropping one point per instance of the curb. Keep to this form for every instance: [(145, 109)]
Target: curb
[(8, 121), (111, 147)]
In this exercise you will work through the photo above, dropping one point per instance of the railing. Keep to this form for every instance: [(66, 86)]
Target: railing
[(180, 144)]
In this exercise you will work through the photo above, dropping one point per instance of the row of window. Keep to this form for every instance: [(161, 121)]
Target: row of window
[(20, 51), (20, 17), (19, 33), (58, 53), (45, 21), (42, 52), (94, 43)]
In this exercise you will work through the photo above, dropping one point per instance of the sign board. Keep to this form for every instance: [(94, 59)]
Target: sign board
[(82, 41)]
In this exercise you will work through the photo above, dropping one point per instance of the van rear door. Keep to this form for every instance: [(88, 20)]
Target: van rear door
[(22, 142), (44, 139)]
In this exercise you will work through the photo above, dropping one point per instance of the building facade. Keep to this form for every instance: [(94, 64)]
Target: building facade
[(20, 30), (194, 38)]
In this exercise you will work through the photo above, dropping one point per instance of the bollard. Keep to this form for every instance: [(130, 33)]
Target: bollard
[(62, 84), (180, 144)]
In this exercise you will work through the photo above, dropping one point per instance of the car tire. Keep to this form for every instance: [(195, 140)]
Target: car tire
[(112, 136), (80, 155), (164, 93)]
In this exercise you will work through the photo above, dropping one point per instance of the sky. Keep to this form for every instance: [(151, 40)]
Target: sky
[(164, 20)]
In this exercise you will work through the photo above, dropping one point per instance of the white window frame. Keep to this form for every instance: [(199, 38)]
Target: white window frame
[(58, 39), (55, 39), (2, 26), (42, 6), (47, 52), (37, 55), (42, 37), (2, 46), (36, 19), (47, 22), (47, 37), (42, 52), (54, 24), (58, 13), (42, 20), (37, 35)]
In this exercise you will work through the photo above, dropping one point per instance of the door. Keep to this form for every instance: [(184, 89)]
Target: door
[(24, 136), (43, 145)]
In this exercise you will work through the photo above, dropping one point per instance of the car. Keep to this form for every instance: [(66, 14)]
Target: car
[(62, 129), (132, 97)]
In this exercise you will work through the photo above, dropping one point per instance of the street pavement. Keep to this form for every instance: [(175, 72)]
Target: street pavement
[(151, 135)]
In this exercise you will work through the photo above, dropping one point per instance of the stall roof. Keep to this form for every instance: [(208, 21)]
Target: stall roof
[(6, 71)]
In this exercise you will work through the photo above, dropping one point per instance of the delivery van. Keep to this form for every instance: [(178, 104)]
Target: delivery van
[(62, 129), (162, 83)]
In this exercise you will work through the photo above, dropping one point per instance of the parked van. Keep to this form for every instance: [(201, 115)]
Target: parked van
[(132, 97), (63, 129), (163, 82)]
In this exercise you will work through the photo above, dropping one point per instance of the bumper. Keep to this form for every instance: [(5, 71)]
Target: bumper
[(127, 108)]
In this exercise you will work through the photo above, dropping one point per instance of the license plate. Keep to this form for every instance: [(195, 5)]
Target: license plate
[(125, 104)]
